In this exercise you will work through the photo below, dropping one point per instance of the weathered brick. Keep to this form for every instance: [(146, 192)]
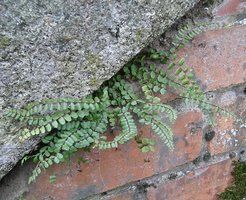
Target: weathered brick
[(229, 134), (200, 184), (111, 168), (226, 139), (218, 57), (230, 7)]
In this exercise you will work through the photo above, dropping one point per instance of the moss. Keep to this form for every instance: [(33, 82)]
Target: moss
[(94, 62), (93, 82), (139, 35), (4, 41), (237, 191), (93, 59)]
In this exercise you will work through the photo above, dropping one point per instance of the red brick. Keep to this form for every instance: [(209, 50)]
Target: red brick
[(230, 7), (217, 59), (200, 184), (220, 61), (223, 141), (118, 167), (229, 135)]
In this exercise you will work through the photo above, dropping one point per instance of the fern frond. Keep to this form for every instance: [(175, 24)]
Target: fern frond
[(129, 131), (164, 132), (172, 114), (161, 129), (187, 33)]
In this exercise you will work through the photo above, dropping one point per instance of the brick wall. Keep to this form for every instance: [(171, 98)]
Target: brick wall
[(200, 166)]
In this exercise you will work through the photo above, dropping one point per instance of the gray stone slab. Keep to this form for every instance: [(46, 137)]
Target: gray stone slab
[(63, 48)]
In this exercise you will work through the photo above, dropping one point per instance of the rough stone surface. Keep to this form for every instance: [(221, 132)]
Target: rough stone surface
[(18, 185), (68, 48)]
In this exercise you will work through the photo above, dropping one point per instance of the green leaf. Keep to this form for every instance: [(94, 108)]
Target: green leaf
[(24, 159), (134, 70), (185, 82), (145, 76), (72, 106), (181, 61), (156, 88), (36, 131), (127, 97), (38, 170), (162, 91), (48, 127), (68, 118), (56, 160), (154, 56), (133, 103), (79, 145), (126, 70), (145, 149), (46, 165), (65, 147), (55, 124), (59, 155), (178, 71), (78, 106), (81, 114), (86, 106), (160, 78), (190, 76), (152, 74), (114, 145), (152, 67), (74, 138), (145, 88), (186, 70), (47, 154), (164, 61), (171, 65), (61, 121), (92, 106), (172, 50), (182, 77), (70, 141), (45, 141), (145, 140), (52, 179)]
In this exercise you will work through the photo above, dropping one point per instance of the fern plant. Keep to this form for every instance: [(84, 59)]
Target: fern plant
[(69, 124), (145, 144)]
